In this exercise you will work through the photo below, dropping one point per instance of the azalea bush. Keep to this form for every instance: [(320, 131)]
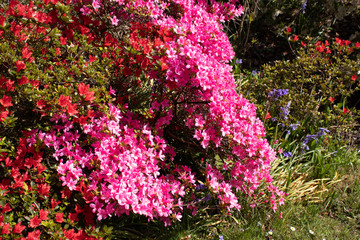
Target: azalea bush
[(112, 108)]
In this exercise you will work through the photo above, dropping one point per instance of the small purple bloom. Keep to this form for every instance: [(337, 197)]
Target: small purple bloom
[(285, 110), (303, 6), (294, 126), (200, 187), (287, 154), (207, 198), (322, 132), (276, 93), (238, 61)]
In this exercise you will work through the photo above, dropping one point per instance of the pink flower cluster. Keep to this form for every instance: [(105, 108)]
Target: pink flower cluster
[(121, 168), (198, 60)]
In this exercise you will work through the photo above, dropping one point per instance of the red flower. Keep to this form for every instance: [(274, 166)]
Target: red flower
[(20, 65), (268, 116), (78, 209), (34, 235), (64, 101), (84, 91), (6, 229), (69, 234), (9, 85), (82, 120), (59, 217), (35, 221), (357, 45), (3, 115), (26, 52), (73, 216), (71, 109), (66, 193), (91, 113), (92, 58), (44, 214), (18, 228), (8, 162), (353, 77), (6, 101), (41, 104), (288, 29), (339, 41), (345, 110), (331, 99), (23, 80), (54, 203), (2, 20), (44, 189), (63, 40), (303, 44), (320, 48), (6, 208), (57, 52), (296, 38), (35, 83), (40, 168), (164, 66)]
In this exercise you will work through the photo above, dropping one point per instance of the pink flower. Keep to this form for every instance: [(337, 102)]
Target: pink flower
[(85, 10), (96, 4), (114, 20)]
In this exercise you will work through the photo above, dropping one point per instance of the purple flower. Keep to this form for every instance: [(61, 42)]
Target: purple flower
[(294, 126), (207, 198), (221, 237), (285, 110), (238, 61), (303, 6), (276, 93), (200, 187), (255, 72), (322, 132), (287, 154)]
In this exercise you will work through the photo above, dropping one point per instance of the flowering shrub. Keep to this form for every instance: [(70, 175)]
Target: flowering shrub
[(32, 204), (316, 87), (129, 106)]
